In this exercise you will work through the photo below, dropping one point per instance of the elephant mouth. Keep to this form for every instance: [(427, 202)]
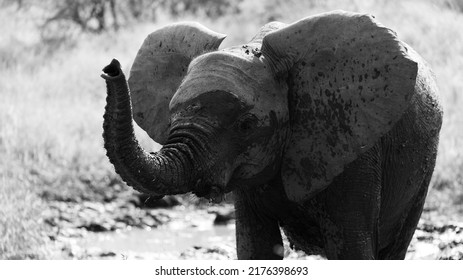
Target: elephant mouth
[(213, 192), (214, 184)]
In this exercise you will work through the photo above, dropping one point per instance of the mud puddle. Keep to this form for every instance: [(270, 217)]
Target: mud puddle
[(165, 242), (121, 230)]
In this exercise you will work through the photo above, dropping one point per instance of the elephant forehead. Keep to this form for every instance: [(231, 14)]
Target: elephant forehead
[(245, 77)]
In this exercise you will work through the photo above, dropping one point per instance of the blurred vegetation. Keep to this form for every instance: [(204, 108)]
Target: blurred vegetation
[(52, 98), (63, 18)]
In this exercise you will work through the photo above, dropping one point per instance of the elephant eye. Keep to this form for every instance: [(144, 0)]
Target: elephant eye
[(247, 122)]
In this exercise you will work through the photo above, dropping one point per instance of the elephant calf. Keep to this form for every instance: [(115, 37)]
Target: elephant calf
[(327, 128)]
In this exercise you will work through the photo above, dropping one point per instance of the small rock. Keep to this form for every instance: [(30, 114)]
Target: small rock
[(149, 221), (66, 217), (163, 219), (93, 206), (427, 227), (96, 227), (120, 225), (224, 217), (71, 232), (107, 254), (209, 253), (442, 245)]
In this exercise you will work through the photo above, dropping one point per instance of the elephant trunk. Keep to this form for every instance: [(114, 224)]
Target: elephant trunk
[(168, 171)]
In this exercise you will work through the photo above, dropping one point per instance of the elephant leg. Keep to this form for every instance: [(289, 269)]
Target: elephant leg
[(398, 249), (351, 207), (257, 231)]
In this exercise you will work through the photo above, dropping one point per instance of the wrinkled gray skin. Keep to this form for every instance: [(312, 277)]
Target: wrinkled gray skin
[(339, 158)]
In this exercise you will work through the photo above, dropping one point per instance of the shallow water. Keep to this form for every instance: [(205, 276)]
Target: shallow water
[(192, 235), (166, 242)]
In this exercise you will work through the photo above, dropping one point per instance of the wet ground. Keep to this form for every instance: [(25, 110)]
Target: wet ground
[(125, 229)]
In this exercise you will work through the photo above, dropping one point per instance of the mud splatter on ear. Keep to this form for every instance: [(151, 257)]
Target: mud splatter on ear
[(350, 80), (158, 69)]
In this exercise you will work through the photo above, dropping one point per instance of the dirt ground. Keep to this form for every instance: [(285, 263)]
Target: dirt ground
[(93, 230)]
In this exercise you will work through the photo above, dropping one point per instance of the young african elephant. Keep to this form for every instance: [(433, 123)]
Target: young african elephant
[(327, 127)]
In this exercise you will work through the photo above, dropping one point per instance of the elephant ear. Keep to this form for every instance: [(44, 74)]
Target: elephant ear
[(158, 69), (264, 30), (349, 81)]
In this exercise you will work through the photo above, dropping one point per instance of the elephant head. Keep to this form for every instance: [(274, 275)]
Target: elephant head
[(299, 101)]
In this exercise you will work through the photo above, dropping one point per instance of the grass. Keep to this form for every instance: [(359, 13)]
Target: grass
[(21, 231), (52, 102)]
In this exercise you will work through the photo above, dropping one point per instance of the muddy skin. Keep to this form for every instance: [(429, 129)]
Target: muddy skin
[(326, 133)]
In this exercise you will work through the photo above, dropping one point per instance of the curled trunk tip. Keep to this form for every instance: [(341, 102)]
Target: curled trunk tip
[(113, 69)]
